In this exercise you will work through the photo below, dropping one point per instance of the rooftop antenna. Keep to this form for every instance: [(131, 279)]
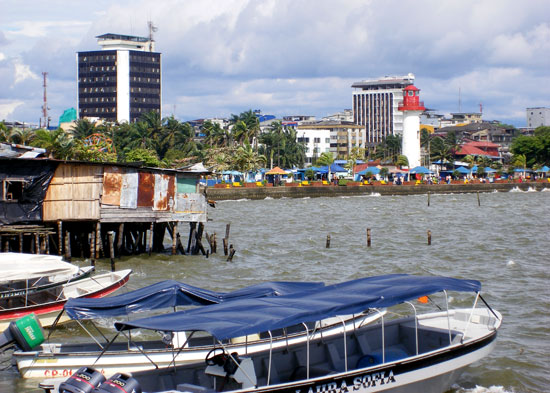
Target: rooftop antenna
[(152, 29), (45, 117), (480, 107)]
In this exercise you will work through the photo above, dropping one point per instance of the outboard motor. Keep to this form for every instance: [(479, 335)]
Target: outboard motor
[(84, 380), (119, 383), (25, 333)]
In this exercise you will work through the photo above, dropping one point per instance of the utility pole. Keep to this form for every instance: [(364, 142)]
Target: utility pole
[(45, 117)]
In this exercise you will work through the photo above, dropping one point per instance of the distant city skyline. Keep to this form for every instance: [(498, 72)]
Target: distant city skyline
[(287, 57)]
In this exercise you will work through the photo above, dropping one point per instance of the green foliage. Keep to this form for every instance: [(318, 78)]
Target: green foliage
[(280, 144), (536, 148), (390, 149), (310, 174), (58, 144), (148, 157), (384, 172), (402, 161)]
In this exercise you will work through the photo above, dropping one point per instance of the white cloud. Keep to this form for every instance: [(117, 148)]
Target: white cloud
[(23, 72), (7, 107)]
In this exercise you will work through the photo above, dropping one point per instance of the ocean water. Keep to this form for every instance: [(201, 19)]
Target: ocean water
[(503, 243)]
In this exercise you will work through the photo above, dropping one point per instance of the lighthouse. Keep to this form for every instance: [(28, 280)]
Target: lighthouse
[(412, 108)]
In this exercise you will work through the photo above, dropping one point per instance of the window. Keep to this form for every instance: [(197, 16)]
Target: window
[(12, 189), (317, 140), (327, 140)]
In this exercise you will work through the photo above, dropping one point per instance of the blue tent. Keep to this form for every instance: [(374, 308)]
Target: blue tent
[(544, 169), (523, 170), (372, 169), (172, 293), (247, 316), (333, 168), (463, 170), (421, 170), (489, 170)]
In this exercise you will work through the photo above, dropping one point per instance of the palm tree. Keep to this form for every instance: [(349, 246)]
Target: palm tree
[(402, 161), (56, 142), (23, 136), (240, 132), (520, 161), (247, 159), (327, 159), (82, 129), (253, 124)]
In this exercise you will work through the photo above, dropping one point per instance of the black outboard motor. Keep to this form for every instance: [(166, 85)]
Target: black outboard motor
[(119, 383), (25, 333), (84, 380)]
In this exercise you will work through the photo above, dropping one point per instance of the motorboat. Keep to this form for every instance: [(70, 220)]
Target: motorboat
[(416, 351), (25, 274), (47, 304), (52, 360)]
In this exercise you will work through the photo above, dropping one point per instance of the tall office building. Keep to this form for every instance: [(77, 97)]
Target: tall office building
[(121, 81), (375, 106)]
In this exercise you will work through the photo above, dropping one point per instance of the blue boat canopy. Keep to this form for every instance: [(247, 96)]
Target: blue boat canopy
[(247, 316), (172, 293)]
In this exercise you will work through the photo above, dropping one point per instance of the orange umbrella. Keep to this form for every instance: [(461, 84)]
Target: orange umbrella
[(276, 171)]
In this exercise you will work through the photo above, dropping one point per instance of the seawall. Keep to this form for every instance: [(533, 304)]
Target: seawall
[(233, 193)]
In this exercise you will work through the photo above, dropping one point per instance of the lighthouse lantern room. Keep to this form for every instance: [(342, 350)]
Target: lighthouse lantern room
[(412, 107)]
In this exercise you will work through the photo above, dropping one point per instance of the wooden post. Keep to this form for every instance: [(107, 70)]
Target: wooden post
[(92, 250), (179, 246), (224, 246), (67, 246), (214, 250), (428, 198), (112, 250), (59, 237), (36, 243), (231, 253), (120, 240), (21, 242), (368, 237), (97, 239), (151, 227), (429, 237), (327, 245), (478, 201), (174, 237), (6, 241)]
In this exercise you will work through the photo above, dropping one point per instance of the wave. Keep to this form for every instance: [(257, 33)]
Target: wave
[(481, 389), (516, 189), (531, 189)]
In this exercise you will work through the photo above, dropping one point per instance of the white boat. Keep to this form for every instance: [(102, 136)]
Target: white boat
[(53, 360), (47, 304), (23, 274), (416, 353)]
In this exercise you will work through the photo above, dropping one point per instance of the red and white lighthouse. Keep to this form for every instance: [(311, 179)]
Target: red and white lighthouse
[(412, 107)]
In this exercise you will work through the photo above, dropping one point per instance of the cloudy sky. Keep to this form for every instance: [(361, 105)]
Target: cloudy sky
[(288, 56)]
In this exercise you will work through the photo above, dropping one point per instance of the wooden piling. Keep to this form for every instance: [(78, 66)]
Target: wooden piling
[(478, 200), (112, 250), (327, 245), (428, 198), (59, 237), (231, 253), (429, 237), (174, 237), (224, 240), (6, 241), (215, 241), (151, 227), (368, 237), (67, 246), (21, 242), (36, 243), (92, 250), (97, 239)]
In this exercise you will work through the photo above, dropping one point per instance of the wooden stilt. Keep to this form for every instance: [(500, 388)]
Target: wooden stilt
[(97, 239), (67, 246), (429, 237), (20, 242), (151, 237), (36, 243), (60, 237), (368, 237), (92, 250), (224, 246), (179, 245), (174, 237), (214, 241), (6, 241), (112, 250), (120, 240), (327, 245), (231, 253)]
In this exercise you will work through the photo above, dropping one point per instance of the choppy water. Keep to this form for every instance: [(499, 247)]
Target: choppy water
[(503, 243)]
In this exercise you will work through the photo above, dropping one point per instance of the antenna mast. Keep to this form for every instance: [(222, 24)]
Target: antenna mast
[(45, 117), (152, 29)]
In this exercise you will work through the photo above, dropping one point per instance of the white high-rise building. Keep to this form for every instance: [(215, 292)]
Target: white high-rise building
[(375, 106), (120, 82), (537, 117)]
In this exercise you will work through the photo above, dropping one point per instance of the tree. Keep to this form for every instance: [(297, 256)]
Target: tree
[(536, 148), (357, 153), (148, 157), (402, 161), (520, 161), (23, 136), (56, 142), (82, 129), (247, 159), (327, 159)]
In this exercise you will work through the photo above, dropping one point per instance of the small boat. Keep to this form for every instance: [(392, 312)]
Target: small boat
[(25, 274), (53, 360), (421, 352), (47, 304)]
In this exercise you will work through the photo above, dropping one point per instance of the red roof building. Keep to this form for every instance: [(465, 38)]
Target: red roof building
[(479, 148)]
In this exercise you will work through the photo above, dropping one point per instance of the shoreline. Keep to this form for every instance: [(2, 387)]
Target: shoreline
[(234, 193)]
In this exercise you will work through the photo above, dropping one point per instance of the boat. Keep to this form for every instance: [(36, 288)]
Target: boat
[(52, 360), (47, 304), (422, 352), (24, 274)]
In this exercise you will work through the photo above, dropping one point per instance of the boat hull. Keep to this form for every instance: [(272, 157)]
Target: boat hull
[(98, 286)]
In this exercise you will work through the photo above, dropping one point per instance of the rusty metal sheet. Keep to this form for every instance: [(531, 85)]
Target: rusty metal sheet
[(112, 184), (146, 189), (161, 192), (171, 192), (192, 206), (129, 190)]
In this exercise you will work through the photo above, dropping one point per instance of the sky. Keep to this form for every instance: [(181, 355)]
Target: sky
[(287, 57)]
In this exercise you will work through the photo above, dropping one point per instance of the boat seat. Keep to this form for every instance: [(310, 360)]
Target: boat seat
[(188, 387), (391, 354)]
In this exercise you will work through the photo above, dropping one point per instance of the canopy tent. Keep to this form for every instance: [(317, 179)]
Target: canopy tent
[(234, 173), (276, 171), (489, 170), (544, 169), (421, 170), (18, 267), (462, 170), (523, 170), (248, 316), (172, 293), (372, 169)]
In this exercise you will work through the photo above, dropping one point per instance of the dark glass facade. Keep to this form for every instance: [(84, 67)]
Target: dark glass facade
[(98, 84)]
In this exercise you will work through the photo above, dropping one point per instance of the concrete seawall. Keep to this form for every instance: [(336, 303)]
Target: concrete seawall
[(233, 193)]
